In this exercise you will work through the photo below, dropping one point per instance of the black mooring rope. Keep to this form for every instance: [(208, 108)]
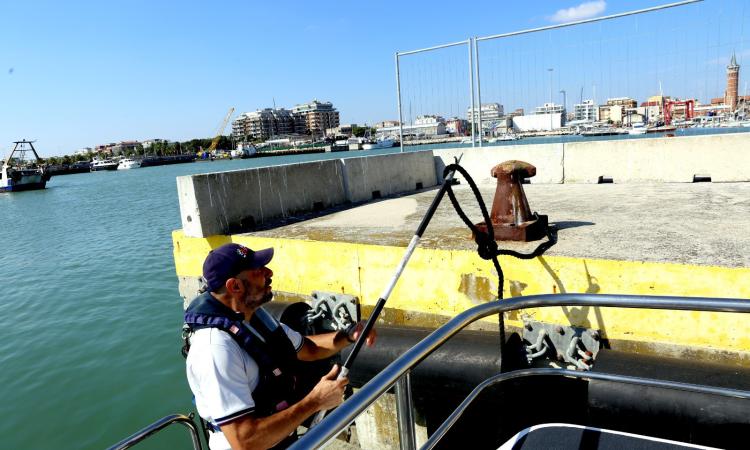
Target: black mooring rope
[(487, 247)]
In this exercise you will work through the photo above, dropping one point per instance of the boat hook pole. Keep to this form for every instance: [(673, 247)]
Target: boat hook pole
[(387, 292)]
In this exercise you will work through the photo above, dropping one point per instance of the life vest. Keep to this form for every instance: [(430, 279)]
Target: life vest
[(276, 357)]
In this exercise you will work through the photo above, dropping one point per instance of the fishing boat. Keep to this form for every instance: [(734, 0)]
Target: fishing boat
[(380, 143), (103, 164), (128, 163), (20, 173)]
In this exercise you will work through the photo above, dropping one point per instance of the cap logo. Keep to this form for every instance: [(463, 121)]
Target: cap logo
[(242, 251)]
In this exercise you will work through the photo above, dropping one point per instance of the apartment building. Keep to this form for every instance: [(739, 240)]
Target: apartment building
[(491, 113), (264, 124), (586, 111), (315, 117)]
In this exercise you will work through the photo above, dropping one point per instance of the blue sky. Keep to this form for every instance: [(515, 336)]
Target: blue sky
[(77, 74)]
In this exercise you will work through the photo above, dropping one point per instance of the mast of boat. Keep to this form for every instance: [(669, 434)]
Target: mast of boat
[(21, 148)]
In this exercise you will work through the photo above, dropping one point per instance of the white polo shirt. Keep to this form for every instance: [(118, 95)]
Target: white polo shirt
[(223, 376)]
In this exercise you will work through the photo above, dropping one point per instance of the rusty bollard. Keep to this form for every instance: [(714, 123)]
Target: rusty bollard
[(511, 216)]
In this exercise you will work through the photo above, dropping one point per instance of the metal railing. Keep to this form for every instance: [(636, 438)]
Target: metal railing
[(159, 425), (399, 369)]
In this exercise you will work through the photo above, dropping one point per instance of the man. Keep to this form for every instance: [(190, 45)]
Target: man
[(241, 362)]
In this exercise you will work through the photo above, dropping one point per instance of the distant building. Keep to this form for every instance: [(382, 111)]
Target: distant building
[(149, 142), (651, 111), (341, 130), (263, 124), (618, 110), (627, 102), (491, 113), (550, 108), (586, 111), (547, 117), (386, 124), (105, 149), (457, 126), (124, 147), (83, 151), (427, 126), (538, 122), (502, 126), (315, 117)]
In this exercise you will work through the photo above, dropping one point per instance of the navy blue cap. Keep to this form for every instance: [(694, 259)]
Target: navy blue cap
[(229, 260)]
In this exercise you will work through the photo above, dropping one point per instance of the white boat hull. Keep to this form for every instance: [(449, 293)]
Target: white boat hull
[(126, 165)]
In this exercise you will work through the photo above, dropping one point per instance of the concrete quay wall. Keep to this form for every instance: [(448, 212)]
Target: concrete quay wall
[(548, 159), (237, 201), (724, 158)]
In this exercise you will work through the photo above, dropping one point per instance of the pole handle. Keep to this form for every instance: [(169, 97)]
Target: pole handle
[(343, 373)]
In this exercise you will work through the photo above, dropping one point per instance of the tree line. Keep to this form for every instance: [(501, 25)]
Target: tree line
[(161, 148)]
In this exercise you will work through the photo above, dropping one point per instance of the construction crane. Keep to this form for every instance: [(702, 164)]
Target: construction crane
[(220, 131)]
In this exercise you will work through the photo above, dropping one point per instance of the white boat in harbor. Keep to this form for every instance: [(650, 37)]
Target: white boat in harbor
[(21, 174), (380, 143), (128, 163), (505, 137), (103, 164), (638, 128)]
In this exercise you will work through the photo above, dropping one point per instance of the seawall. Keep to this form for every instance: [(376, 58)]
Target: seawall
[(237, 201)]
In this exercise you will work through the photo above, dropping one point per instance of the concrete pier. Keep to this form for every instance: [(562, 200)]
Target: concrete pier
[(237, 201)]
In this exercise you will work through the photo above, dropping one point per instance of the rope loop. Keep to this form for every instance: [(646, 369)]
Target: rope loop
[(486, 246)]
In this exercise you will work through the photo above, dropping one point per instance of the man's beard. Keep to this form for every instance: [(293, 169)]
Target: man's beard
[(255, 304)]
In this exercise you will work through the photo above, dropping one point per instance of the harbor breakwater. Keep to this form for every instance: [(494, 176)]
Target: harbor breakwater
[(208, 203)]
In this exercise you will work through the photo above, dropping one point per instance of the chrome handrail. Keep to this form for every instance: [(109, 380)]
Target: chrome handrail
[(345, 414), (159, 425)]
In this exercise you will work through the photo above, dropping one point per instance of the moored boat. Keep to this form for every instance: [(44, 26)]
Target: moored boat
[(103, 164), (128, 163), (638, 128), (21, 174), (380, 143)]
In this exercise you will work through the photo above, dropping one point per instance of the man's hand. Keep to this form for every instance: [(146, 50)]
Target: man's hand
[(356, 331), (329, 392)]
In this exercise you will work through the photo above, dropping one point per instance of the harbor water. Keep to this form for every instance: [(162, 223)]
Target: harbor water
[(90, 314)]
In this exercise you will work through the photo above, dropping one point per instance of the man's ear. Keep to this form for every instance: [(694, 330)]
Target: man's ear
[(233, 285)]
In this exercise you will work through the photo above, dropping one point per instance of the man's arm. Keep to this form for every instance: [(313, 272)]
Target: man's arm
[(249, 432), (321, 346)]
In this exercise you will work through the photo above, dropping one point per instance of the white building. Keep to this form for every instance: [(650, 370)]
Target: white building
[(550, 108), (586, 111), (149, 142), (537, 122), (491, 114), (423, 127), (84, 151)]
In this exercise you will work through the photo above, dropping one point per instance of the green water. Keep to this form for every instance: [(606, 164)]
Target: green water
[(90, 314)]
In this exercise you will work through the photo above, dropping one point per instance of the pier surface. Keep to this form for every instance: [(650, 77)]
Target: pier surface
[(698, 223)]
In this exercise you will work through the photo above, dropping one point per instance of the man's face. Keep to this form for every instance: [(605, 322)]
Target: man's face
[(257, 286)]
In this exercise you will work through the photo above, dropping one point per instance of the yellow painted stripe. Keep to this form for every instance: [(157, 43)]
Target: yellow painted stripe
[(444, 282)]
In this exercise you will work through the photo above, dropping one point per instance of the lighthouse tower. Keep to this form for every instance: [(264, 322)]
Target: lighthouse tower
[(733, 81)]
